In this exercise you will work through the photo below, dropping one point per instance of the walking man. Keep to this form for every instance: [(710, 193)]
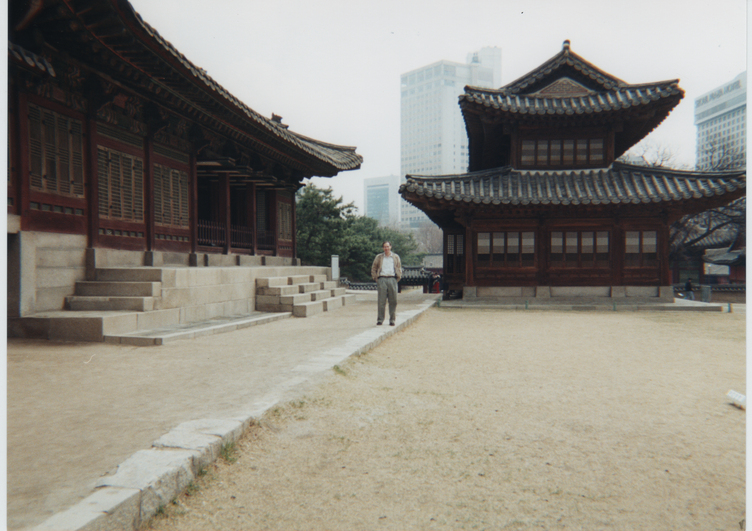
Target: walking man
[(386, 271)]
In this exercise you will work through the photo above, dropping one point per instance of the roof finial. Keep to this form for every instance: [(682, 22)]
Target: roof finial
[(565, 46)]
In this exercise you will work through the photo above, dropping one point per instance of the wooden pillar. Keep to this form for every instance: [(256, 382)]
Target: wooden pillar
[(294, 222), (224, 186), (22, 168), (664, 250), (469, 257), (149, 193), (617, 254), (542, 251), (274, 220), (93, 182), (193, 201), (254, 220)]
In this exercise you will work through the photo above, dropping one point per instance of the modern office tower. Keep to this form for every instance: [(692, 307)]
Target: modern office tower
[(721, 120), (433, 136), (382, 199)]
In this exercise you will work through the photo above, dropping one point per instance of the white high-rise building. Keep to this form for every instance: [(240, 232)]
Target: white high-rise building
[(433, 136), (721, 120), (382, 199)]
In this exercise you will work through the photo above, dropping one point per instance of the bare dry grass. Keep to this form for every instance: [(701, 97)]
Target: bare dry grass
[(501, 420)]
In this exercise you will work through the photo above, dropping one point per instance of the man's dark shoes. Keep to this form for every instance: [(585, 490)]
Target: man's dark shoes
[(379, 323), (391, 323)]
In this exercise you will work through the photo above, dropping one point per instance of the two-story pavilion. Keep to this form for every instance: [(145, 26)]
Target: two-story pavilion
[(546, 208)]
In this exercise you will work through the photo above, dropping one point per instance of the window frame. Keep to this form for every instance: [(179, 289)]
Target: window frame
[(105, 180), (567, 246), (501, 248), (52, 156), (643, 258), (568, 156)]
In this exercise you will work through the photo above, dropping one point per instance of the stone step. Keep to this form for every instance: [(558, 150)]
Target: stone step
[(278, 291), (309, 286), (298, 298), (336, 292), (118, 289), (319, 278), (271, 282), (160, 336), (298, 279), (328, 284), (82, 303), (332, 303), (129, 274), (308, 309), (74, 326), (321, 294), (273, 307)]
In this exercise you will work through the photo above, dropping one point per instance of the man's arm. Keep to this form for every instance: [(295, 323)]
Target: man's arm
[(397, 266), (376, 267)]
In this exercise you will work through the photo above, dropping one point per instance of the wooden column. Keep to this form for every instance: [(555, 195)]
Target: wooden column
[(193, 201), (274, 220), (617, 254), (22, 168), (93, 182), (663, 252), (294, 229), (469, 257), (254, 220), (542, 250), (149, 193), (224, 186)]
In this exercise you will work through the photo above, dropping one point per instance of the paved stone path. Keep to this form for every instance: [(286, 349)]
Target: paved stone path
[(78, 410)]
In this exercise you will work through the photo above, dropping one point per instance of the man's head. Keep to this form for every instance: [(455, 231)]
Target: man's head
[(387, 248)]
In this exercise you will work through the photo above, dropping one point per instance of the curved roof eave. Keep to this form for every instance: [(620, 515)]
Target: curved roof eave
[(340, 158)]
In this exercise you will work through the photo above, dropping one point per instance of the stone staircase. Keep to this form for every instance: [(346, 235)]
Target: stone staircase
[(302, 295), (152, 305)]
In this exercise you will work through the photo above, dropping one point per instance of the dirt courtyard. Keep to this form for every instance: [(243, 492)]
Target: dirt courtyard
[(474, 419)]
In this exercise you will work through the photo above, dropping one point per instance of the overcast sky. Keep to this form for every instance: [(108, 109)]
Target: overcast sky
[(332, 68)]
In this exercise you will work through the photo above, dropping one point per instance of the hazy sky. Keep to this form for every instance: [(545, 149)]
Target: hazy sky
[(332, 68)]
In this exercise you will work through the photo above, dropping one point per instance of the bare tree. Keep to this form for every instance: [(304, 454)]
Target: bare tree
[(430, 238), (719, 226), (653, 154), (721, 155)]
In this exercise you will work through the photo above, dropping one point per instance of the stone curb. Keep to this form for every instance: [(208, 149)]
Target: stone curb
[(150, 479)]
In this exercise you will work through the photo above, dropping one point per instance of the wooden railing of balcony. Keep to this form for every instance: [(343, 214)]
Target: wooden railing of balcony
[(211, 233), (241, 237)]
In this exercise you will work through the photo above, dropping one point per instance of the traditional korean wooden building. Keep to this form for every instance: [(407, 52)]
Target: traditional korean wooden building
[(546, 209), (117, 141)]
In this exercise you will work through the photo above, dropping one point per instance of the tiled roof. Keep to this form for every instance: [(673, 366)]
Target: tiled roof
[(730, 258), (618, 184), (341, 157), (563, 59), (594, 102), (603, 92), (111, 33)]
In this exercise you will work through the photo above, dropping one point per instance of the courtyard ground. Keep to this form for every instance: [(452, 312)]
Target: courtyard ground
[(473, 419)]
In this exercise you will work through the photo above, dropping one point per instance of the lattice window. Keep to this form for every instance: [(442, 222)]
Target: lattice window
[(170, 196), (121, 185), (285, 221), (557, 152), (641, 248), (56, 162), (506, 249), (455, 258), (580, 249)]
